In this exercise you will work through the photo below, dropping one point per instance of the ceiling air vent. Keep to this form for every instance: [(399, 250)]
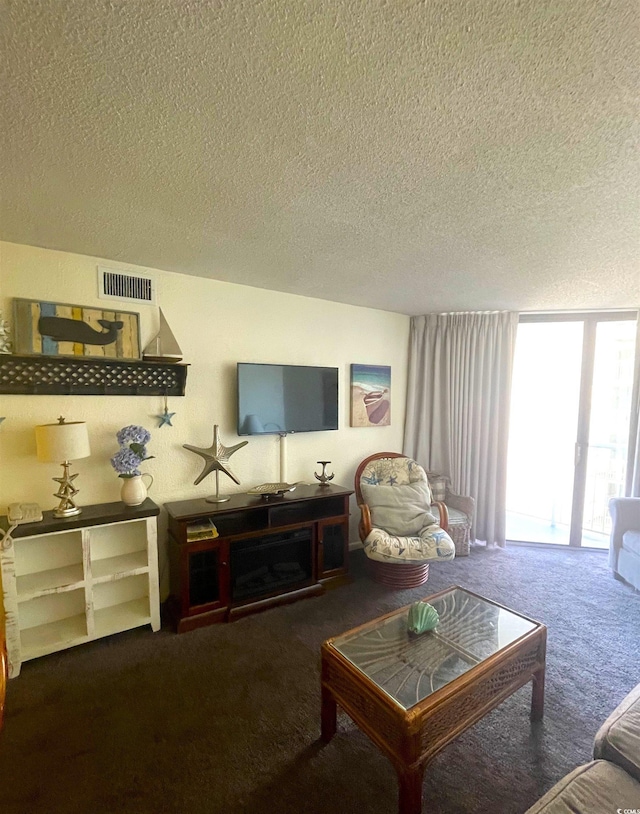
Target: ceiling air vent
[(129, 287)]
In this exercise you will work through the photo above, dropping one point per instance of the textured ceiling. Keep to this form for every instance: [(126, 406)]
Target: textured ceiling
[(410, 156)]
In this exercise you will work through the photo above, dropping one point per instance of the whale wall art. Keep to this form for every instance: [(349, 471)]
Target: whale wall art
[(370, 396), (60, 329)]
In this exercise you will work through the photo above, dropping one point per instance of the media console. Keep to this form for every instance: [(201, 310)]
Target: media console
[(266, 552)]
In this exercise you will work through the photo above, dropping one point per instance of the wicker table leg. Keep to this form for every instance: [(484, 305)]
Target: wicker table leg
[(328, 720), (537, 695), (410, 789)]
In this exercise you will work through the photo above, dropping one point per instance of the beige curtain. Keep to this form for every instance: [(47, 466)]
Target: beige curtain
[(632, 484), (458, 395)]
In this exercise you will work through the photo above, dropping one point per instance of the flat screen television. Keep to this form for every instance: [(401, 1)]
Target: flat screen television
[(286, 398)]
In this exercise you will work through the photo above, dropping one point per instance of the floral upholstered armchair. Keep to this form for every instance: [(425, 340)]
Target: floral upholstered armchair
[(400, 527)]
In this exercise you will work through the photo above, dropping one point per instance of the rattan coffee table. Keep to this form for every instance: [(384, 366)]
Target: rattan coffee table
[(413, 694)]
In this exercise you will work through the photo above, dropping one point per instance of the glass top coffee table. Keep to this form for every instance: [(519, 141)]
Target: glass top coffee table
[(414, 693)]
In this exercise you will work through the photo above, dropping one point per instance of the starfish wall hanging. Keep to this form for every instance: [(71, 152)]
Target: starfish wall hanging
[(216, 458), (165, 418)]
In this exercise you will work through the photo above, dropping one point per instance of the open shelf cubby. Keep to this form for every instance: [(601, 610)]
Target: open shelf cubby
[(121, 605), (50, 563), (52, 622)]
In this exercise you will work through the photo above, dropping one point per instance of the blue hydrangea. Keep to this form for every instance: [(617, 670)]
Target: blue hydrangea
[(135, 434), (133, 451), (126, 462)]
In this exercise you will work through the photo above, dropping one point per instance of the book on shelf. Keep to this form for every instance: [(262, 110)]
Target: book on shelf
[(205, 530)]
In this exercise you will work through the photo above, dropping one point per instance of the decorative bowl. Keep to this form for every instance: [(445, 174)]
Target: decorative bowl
[(272, 489)]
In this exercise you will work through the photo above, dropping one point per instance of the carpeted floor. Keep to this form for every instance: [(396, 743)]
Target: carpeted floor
[(226, 718)]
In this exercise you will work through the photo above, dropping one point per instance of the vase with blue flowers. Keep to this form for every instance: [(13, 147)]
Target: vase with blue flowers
[(133, 441)]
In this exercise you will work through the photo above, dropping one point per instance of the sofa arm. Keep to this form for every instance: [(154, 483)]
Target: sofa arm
[(618, 739), (598, 787), (625, 515)]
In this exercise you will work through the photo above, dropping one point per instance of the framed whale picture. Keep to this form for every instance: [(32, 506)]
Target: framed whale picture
[(60, 329)]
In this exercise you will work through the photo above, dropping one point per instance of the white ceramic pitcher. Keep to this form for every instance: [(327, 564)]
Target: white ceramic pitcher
[(134, 490)]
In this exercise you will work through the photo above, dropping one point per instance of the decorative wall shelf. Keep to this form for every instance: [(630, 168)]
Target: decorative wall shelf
[(69, 376)]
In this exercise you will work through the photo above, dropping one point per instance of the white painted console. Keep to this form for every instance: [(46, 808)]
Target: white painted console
[(67, 582)]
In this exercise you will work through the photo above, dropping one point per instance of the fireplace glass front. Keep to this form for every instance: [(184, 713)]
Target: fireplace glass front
[(271, 563)]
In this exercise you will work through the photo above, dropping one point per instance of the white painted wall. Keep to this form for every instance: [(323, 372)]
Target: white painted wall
[(216, 324)]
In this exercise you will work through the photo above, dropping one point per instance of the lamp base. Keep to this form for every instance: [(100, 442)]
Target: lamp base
[(70, 511), (66, 493)]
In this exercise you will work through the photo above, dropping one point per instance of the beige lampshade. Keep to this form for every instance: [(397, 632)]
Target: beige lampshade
[(62, 442)]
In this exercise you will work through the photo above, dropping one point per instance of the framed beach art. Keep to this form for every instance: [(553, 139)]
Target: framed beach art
[(59, 329), (370, 396)]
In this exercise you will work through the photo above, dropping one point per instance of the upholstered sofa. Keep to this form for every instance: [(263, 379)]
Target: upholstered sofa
[(610, 782), (624, 548)]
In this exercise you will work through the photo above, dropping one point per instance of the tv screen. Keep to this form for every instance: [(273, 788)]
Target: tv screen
[(286, 398)]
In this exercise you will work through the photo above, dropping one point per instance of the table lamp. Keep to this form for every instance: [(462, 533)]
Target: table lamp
[(63, 443)]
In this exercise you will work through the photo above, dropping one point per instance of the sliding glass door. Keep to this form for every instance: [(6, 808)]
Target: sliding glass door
[(571, 397), (607, 435)]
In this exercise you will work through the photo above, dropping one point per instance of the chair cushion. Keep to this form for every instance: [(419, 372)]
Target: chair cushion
[(403, 510), (618, 739), (392, 472), (595, 788), (457, 518), (432, 544), (631, 541)]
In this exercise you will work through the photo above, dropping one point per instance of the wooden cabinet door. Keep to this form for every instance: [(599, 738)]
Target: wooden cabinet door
[(206, 576), (333, 546)]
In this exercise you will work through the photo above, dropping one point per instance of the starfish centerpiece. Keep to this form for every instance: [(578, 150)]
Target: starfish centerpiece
[(216, 457)]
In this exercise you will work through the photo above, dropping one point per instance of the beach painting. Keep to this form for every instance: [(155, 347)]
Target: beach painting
[(370, 396)]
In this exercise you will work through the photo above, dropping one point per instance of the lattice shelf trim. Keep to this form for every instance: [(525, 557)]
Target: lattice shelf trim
[(66, 376)]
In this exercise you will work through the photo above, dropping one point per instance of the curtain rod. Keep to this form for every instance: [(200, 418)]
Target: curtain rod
[(578, 316)]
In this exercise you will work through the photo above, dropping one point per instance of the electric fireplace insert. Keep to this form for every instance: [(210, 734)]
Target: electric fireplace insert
[(264, 565)]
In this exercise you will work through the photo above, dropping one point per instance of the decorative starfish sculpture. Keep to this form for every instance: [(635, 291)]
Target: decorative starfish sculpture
[(216, 457)]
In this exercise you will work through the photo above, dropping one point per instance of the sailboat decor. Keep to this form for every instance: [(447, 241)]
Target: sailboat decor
[(5, 336), (163, 347)]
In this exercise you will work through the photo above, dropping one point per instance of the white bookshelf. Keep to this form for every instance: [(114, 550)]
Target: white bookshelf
[(67, 582)]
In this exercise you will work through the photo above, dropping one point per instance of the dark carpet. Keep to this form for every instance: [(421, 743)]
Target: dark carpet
[(226, 718)]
